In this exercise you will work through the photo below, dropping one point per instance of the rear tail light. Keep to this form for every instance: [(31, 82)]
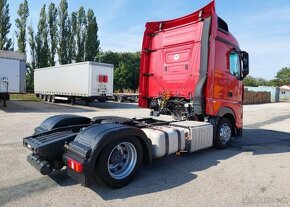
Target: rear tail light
[(103, 78), (75, 165)]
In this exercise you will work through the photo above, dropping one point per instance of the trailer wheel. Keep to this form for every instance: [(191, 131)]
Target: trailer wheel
[(120, 99), (44, 97), (102, 100), (49, 98), (223, 134), (119, 162), (53, 100)]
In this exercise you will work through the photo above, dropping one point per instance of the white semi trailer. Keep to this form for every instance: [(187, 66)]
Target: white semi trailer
[(12, 74), (87, 81)]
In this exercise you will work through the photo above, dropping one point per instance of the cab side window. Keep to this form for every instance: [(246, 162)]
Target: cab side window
[(235, 64)]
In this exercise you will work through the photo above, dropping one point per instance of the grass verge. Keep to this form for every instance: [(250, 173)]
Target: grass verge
[(25, 97)]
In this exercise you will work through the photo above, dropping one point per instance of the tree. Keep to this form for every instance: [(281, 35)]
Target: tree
[(126, 68), (5, 42), (283, 76), (52, 25), (20, 22), (120, 77), (32, 44), (132, 65), (32, 64), (254, 82), (92, 42), (63, 32), (135, 71), (81, 24), (71, 53), (42, 48), (109, 57)]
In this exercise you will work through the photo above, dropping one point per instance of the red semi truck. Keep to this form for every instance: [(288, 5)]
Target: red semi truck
[(191, 68)]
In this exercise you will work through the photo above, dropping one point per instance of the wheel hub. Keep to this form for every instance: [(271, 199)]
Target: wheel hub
[(122, 160), (225, 133), (116, 157)]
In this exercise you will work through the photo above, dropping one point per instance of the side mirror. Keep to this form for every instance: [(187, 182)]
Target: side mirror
[(245, 63)]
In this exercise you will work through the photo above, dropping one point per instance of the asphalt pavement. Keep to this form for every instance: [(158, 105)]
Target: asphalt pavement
[(253, 171)]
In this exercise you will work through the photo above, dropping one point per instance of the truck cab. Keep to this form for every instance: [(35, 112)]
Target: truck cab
[(192, 67)]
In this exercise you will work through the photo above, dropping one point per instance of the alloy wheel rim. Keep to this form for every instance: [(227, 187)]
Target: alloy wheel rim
[(225, 133), (122, 160)]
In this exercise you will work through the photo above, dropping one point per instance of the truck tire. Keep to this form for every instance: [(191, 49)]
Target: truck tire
[(87, 101), (48, 98), (223, 134), (53, 100), (102, 100), (119, 162), (120, 99)]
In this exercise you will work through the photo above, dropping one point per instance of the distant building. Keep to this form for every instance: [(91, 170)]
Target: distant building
[(285, 92)]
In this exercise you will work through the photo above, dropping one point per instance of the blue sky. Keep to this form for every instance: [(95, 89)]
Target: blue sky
[(261, 27)]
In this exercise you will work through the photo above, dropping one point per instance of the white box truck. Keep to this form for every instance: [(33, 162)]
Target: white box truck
[(88, 81), (12, 74)]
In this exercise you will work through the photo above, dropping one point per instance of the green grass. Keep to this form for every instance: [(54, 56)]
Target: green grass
[(25, 97)]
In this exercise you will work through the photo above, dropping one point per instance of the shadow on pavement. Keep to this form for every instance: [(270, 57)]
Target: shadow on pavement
[(174, 171), (110, 105), (263, 141), (79, 107), (167, 173), (38, 185)]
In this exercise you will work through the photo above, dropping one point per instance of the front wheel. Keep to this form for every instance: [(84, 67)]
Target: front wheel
[(223, 134), (119, 162)]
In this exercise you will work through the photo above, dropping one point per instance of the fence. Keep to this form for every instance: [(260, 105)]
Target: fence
[(274, 91), (252, 97)]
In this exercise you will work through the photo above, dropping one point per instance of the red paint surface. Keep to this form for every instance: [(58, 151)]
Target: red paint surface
[(173, 62)]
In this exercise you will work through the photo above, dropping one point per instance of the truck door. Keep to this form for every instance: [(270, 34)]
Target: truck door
[(227, 87), (234, 92)]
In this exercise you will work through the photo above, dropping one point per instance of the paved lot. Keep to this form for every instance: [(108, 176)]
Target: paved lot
[(254, 171)]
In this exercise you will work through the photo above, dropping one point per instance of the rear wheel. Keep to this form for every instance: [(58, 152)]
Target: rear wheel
[(44, 97), (119, 162), (120, 99), (87, 101), (102, 100), (53, 100), (223, 133), (48, 98)]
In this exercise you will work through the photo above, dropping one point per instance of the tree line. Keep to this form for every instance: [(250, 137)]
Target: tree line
[(67, 38), (64, 38), (282, 78), (126, 70), (73, 37)]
